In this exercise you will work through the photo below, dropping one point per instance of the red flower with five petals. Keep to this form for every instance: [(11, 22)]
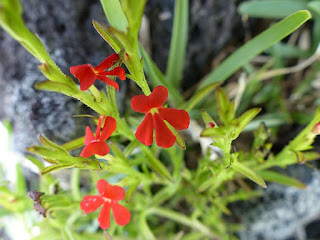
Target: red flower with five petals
[(109, 195), (96, 144), (156, 115), (87, 74)]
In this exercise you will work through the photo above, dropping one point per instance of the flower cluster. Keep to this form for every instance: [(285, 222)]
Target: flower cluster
[(157, 117), (109, 196)]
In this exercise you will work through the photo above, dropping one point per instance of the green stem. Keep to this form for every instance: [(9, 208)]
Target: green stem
[(112, 95), (75, 183)]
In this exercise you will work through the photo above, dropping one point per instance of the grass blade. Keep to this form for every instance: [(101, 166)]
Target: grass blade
[(178, 43)]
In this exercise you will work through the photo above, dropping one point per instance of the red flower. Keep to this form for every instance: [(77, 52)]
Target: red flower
[(109, 196), (87, 74), (155, 115), (97, 144)]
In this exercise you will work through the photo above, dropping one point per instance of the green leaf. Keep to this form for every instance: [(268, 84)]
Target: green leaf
[(226, 108), (74, 144), (314, 6), (132, 188), (178, 44), (207, 118), (119, 154), (252, 175), (21, 182), (199, 95), (115, 15), (48, 143), (47, 153), (243, 121), (179, 138), (276, 177), (133, 9), (55, 168), (107, 36), (157, 78), (36, 162), (155, 163), (56, 87), (144, 227), (251, 49), (214, 132), (271, 8)]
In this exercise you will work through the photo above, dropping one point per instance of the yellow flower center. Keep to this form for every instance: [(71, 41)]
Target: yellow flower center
[(153, 111)]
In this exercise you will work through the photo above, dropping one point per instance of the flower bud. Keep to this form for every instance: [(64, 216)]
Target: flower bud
[(316, 129)]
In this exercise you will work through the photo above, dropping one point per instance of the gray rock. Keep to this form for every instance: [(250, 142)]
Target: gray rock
[(283, 212), (65, 28)]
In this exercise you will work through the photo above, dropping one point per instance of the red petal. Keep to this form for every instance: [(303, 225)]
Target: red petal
[(112, 192), (117, 71), (109, 127), (100, 148), (164, 136), (89, 136), (121, 214), (98, 130), (91, 203), (179, 119), (104, 216), (144, 132), (158, 97), (108, 81), (140, 104), (85, 75), (102, 186), (107, 63)]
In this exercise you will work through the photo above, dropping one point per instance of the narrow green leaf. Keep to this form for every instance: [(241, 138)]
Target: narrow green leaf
[(213, 132), (243, 121), (107, 36), (207, 118), (184, 220), (226, 107), (178, 44), (48, 153), (252, 175), (157, 78), (144, 227), (48, 143), (314, 6), (118, 153), (36, 162), (56, 87), (271, 8), (21, 182), (55, 168), (179, 138), (155, 163), (74, 144), (115, 15), (272, 176), (199, 95), (132, 188), (133, 9), (251, 49)]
